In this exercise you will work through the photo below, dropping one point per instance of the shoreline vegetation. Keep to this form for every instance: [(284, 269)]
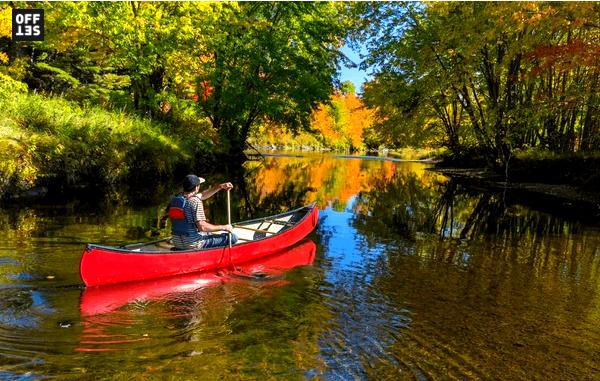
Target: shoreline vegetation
[(51, 144), (126, 93)]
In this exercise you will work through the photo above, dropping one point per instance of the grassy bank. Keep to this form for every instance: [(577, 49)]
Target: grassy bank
[(56, 143)]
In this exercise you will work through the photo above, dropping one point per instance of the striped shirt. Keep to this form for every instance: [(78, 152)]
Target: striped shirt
[(196, 203), (194, 213)]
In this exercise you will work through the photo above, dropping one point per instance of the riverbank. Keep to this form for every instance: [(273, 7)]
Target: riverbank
[(564, 178), (556, 190), (51, 144), (429, 155)]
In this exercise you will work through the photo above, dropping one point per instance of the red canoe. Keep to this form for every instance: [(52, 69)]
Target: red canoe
[(103, 299), (257, 239)]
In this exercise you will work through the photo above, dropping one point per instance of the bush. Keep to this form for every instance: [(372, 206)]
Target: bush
[(10, 87), (535, 165), (417, 153)]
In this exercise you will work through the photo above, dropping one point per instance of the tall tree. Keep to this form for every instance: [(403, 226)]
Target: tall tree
[(267, 61)]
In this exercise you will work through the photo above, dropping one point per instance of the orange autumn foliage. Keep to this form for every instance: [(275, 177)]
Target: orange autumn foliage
[(329, 179), (342, 124)]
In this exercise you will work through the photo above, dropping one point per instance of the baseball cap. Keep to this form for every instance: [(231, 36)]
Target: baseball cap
[(191, 181)]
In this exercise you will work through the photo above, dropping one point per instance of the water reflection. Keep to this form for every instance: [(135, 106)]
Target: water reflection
[(279, 183), (229, 319), (413, 276), (427, 278)]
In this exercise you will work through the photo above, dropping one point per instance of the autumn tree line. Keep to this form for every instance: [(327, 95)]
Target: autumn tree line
[(481, 79), (497, 78)]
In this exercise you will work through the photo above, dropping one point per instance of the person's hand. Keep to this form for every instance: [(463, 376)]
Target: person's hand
[(228, 228), (226, 186)]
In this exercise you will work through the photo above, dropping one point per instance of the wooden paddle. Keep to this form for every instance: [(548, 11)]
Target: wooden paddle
[(229, 213)]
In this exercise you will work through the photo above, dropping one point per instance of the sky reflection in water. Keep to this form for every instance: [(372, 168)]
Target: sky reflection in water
[(413, 276)]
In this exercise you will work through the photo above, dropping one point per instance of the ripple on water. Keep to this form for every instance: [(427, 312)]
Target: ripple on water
[(112, 332), (17, 376), (15, 309), (8, 261), (172, 320), (360, 338)]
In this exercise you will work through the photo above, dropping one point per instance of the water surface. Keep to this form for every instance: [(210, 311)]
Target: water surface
[(413, 277)]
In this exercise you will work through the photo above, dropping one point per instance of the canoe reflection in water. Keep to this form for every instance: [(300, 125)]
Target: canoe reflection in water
[(110, 306)]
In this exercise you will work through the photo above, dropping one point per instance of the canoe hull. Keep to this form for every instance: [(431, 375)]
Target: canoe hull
[(103, 299), (107, 265)]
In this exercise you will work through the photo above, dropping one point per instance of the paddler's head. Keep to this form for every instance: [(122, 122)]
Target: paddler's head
[(191, 182)]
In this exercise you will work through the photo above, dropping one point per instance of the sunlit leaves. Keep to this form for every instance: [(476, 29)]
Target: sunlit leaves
[(270, 61), (5, 21), (343, 123), (516, 74)]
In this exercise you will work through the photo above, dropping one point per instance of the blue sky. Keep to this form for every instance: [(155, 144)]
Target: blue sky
[(358, 77)]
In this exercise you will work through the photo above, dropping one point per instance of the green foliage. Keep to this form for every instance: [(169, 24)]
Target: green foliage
[(10, 87), (542, 165), (268, 61), (267, 135), (411, 153), (54, 141), (501, 76), (243, 63), (340, 115), (348, 88), (51, 78)]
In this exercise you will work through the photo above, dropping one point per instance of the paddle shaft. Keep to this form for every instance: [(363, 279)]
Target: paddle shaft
[(229, 213)]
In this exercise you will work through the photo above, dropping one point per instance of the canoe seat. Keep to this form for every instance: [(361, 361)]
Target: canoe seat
[(259, 235)]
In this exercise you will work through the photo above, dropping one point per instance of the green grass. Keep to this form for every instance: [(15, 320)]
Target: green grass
[(53, 141), (542, 154), (417, 153)]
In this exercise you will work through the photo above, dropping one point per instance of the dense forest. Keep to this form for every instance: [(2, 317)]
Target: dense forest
[(495, 77), (119, 90)]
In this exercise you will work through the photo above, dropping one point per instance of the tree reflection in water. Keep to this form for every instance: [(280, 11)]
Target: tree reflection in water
[(415, 276), (404, 207)]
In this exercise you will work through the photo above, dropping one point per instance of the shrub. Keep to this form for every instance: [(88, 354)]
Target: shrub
[(10, 87)]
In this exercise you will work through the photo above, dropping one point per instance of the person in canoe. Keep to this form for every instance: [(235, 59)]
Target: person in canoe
[(189, 226)]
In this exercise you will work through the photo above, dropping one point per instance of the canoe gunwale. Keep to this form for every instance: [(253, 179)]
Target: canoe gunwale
[(101, 265), (125, 250)]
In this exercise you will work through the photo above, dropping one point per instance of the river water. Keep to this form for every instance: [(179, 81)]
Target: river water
[(408, 275)]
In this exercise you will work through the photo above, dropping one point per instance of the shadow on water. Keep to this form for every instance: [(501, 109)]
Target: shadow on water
[(406, 207), (490, 279), (413, 276)]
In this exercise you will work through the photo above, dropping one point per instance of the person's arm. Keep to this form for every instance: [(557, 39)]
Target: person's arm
[(201, 223), (210, 192), (205, 226)]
